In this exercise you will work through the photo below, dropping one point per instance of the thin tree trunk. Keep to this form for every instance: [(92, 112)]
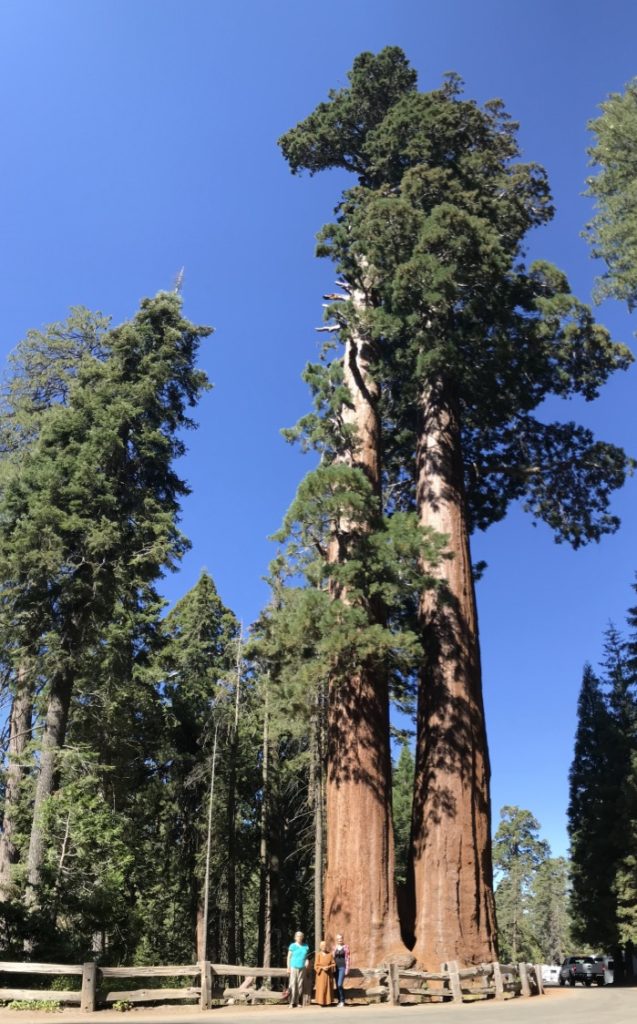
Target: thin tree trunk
[(231, 816), (200, 943), (20, 722), (204, 903), (451, 834), (240, 921), (264, 953), (359, 891), (319, 813), (52, 742)]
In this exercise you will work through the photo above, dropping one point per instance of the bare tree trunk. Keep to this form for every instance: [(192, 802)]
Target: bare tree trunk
[(318, 800), (52, 742), (20, 722), (240, 921), (451, 834), (231, 815), (359, 890), (200, 944), (264, 952)]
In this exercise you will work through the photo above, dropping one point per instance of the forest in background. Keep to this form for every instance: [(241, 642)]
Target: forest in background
[(152, 758)]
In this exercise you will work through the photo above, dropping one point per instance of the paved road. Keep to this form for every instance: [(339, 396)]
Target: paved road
[(558, 1006)]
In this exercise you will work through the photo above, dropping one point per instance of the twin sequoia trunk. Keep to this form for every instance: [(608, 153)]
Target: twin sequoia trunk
[(359, 888), (451, 833), (19, 736)]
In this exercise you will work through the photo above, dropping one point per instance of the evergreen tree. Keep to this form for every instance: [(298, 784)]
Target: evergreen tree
[(517, 854), (625, 883), (591, 819), (450, 344), (402, 794), (203, 693), (549, 912), (39, 376), (90, 520), (613, 230)]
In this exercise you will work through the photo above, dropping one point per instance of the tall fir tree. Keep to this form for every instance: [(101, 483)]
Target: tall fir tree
[(591, 819), (90, 519), (39, 376)]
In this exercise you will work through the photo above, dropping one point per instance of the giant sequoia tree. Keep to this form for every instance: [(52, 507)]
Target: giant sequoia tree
[(450, 344)]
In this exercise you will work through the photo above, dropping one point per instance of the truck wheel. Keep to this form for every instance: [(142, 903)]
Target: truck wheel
[(571, 982), (561, 981), (600, 982), (588, 982)]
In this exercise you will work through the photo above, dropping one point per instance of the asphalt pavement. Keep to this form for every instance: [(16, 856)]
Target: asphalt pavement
[(558, 1006)]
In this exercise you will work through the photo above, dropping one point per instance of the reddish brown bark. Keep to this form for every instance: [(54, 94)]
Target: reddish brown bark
[(359, 888), (451, 836), (20, 721)]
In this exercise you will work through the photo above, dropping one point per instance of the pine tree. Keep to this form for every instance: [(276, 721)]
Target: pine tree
[(462, 343)]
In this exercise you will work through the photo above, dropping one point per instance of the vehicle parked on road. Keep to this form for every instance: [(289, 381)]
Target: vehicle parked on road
[(585, 969), (609, 967), (550, 974)]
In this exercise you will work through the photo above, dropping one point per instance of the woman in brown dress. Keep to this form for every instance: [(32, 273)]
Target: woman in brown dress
[(324, 969)]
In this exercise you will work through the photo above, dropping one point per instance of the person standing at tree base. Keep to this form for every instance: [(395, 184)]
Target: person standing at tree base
[(341, 961), (324, 967), (296, 965)]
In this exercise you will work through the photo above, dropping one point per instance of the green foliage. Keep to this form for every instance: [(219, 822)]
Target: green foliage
[(122, 1006), (591, 818), (602, 812), (90, 504), (433, 234), (402, 790), (89, 521), (549, 911), (613, 230), (41, 371), (518, 853)]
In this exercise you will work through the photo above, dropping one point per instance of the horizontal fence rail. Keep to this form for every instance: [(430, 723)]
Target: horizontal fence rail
[(388, 983)]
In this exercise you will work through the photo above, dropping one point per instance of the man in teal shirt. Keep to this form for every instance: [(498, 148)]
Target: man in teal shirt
[(297, 962)]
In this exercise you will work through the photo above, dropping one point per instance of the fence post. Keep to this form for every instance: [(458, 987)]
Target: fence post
[(498, 982), (89, 987), (524, 979), (454, 981), (205, 997), (394, 984), (540, 983)]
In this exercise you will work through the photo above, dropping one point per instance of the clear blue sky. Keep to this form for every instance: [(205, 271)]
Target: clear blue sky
[(140, 135)]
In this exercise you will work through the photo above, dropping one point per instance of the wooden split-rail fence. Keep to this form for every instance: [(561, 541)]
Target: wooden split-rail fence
[(219, 983)]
